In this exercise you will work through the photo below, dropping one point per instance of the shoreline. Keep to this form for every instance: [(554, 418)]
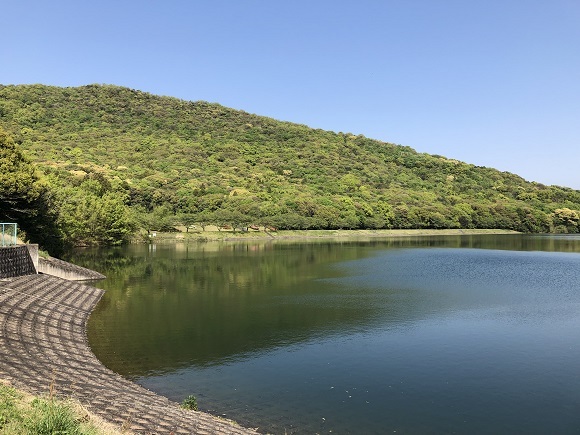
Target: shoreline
[(308, 235), (44, 348)]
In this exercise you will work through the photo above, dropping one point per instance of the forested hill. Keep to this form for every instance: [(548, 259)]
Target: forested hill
[(174, 160)]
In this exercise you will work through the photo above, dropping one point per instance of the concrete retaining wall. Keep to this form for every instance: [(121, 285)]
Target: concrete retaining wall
[(16, 261), (62, 269), (33, 252), (24, 260)]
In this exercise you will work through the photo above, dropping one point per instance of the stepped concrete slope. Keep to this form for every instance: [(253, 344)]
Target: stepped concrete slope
[(16, 261), (43, 343)]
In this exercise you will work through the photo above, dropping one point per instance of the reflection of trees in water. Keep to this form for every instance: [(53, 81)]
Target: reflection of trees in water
[(169, 307), (176, 305)]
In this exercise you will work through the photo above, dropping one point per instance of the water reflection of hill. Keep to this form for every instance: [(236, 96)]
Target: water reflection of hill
[(170, 306)]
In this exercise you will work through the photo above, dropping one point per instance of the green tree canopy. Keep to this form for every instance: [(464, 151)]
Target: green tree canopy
[(167, 160), (24, 198)]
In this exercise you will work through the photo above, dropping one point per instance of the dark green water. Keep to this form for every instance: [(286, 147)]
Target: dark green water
[(471, 334)]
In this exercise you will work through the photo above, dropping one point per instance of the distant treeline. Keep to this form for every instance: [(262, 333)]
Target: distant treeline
[(112, 160)]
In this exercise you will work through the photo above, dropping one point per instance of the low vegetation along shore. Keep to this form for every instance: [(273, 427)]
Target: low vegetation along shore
[(23, 413), (212, 234)]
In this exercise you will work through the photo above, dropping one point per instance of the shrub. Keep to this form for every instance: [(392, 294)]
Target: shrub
[(190, 402)]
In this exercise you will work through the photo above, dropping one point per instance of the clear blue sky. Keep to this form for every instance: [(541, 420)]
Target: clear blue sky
[(494, 83)]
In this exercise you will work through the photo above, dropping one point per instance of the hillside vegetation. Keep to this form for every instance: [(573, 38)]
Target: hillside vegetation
[(151, 161)]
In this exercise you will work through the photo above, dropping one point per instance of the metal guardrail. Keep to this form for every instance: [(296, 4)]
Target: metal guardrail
[(8, 234)]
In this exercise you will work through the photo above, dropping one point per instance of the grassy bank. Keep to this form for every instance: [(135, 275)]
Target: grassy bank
[(211, 234), (22, 413)]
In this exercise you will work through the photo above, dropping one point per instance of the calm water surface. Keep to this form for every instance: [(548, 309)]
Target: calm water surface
[(471, 334)]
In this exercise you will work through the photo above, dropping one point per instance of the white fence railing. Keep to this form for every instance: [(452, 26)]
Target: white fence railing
[(8, 234)]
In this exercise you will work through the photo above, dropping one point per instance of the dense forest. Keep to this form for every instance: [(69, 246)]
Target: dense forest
[(109, 160)]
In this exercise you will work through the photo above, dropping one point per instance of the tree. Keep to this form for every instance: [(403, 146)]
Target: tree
[(160, 219), (89, 219), (566, 220), (25, 198)]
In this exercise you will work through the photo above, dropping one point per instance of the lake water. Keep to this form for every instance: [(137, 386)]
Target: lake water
[(470, 334)]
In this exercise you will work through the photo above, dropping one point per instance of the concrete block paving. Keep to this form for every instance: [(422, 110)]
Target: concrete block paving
[(43, 342)]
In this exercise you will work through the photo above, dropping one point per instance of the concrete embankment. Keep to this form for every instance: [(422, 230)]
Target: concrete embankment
[(62, 269), (24, 260), (17, 261), (43, 346)]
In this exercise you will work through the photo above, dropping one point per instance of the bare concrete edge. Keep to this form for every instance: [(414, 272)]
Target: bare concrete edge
[(63, 269), (33, 252)]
